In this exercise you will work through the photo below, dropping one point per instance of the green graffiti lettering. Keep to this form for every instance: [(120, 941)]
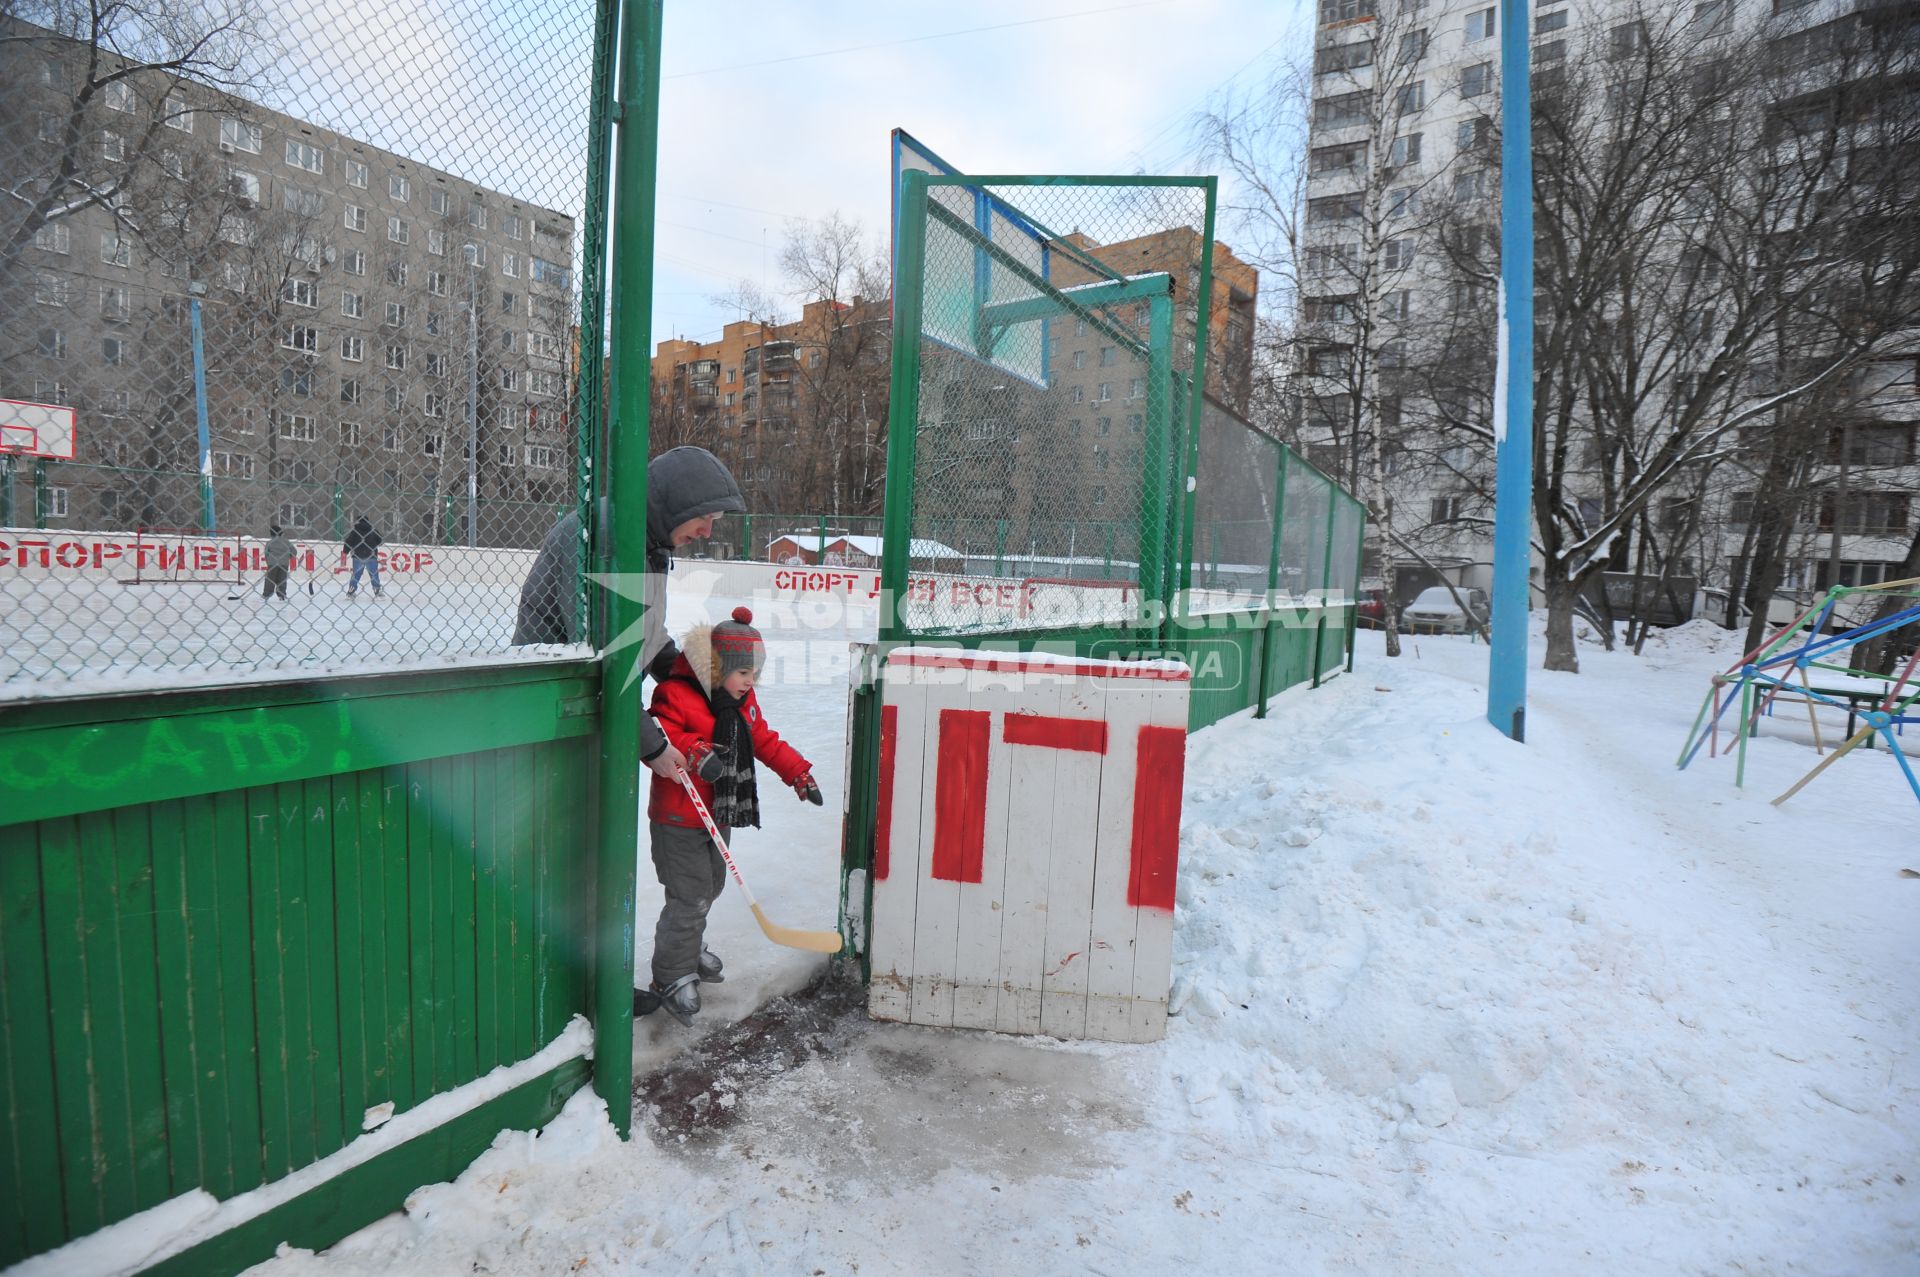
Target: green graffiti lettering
[(231, 732), (166, 749)]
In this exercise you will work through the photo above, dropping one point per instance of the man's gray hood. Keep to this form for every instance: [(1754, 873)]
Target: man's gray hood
[(684, 483)]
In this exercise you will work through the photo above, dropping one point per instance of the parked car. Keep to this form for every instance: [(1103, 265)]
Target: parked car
[(1436, 612), (1370, 612)]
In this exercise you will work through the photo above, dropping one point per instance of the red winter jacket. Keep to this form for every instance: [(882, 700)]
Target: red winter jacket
[(681, 706)]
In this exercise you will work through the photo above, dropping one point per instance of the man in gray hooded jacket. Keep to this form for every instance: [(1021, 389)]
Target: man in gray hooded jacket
[(687, 488)]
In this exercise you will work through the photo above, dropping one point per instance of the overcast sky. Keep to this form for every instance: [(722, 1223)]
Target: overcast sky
[(755, 131)]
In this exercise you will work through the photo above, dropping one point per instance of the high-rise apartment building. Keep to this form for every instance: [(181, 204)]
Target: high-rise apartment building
[(1397, 274), (363, 319)]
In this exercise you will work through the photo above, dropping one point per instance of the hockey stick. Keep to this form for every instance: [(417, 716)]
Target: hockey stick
[(791, 937)]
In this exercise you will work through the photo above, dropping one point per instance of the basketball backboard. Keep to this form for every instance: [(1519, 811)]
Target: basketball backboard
[(993, 264), (36, 430)]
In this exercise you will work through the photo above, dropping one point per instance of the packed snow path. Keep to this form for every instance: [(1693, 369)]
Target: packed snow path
[(1449, 1005)]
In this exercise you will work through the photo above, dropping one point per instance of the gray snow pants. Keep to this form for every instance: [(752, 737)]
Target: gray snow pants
[(690, 868)]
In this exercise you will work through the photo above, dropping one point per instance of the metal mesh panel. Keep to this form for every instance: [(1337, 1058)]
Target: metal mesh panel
[(1343, 581), (1235, 504), (1056, 326), (1303, 530), (288, 268)]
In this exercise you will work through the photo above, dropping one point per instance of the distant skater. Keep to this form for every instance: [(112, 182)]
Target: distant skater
[(363, 547), (279, 564)]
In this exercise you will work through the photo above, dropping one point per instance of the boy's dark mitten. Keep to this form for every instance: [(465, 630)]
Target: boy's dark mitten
[(709, 761), (809, 792), (662, 665)]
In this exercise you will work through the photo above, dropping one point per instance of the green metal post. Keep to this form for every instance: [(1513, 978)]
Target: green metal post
[(1353, 606), (903, 410), (1158, 445), (624, 479), (1273, 582), (1326, 570), (339, 511), (746, 535), (1197, 390), (41, 497)]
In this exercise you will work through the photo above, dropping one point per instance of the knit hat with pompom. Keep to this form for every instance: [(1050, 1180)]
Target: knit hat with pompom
[(737, 646)]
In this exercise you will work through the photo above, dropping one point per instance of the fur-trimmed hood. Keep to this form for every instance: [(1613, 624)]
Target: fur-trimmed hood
[(696, 649)]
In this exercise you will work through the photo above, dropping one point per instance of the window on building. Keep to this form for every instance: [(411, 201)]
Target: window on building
[(349, 434), (1330, 259), (396, 315), (437, 283), (1345, 10), (115, 250), (1549, 51), (543, 345), (509, 379), (52, 343), (436, 364), (113, 147), (1445, 509), (390, 438), (306, 156), (477, 216), (356, 174), (397, 356), (355, 219), (474, 254), (296, 425), (1413, 46), (350, 390), (1476, 80), (440, 202), (1411, 98), (436, 404), (1341, 110), (1627, 39), (239, 135), (433, 324), (509, 303), (1479, 25), (56, 503), (1079, 359), (541, 271), (354, 262), (513, 225), (1333, 208), (119, 96), (300, 292), (395, 397), (1403, 201), (353, 305), (113, 351), (397, 274), (1472, 185), (539, 458), (54, 237), (1556, 21), (399, 230), (1398, 254), (1341, 57), (116, 303), (1397, 304), (176, 114), (510, 264), (399, 188), (1328, 159)]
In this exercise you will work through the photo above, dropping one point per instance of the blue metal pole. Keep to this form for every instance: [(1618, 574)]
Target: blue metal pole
[(1513, 386), (200, 413)]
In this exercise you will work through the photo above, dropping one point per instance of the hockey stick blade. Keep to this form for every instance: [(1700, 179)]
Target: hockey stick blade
[(790, 937)]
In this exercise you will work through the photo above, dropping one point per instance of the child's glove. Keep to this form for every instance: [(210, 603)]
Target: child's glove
[(709, 760), (809, 792)]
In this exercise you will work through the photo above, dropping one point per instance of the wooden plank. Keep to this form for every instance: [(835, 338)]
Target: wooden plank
[(196, 869), (351, 908), (331, 1130), (488, 958), (1157, 802), (982, 904), (898, 859), (397, 873), (139, 993), (351, 1201), (270, 981), (1129, 707), (32, 1213), (1077, 787), (1032, 781), (378, 976), (297, 919), (230, 884), (105, 1046), (180, 1032), (69, 757), (76, 1098), (419, 949), (540, 862), (520, 895), (950, 738), (456, 810)]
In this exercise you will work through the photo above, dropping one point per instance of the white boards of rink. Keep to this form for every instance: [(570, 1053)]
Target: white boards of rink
[(1028, 842)]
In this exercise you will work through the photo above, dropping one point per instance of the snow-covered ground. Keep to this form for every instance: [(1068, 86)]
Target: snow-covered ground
[(1447, 1005)]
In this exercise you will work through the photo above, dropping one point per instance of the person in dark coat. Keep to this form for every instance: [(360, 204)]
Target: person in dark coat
[(363, 547), (687, 488), (279, 563)]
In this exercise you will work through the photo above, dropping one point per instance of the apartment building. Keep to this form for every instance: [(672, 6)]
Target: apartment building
[(1403, 167), (363, 318)]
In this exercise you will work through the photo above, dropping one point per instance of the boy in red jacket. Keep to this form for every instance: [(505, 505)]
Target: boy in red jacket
[(708, 710)]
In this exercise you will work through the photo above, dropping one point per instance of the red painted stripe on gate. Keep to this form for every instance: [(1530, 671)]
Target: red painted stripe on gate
[(1014, 665), (883, 834), (960, 795), (1156, 817), (1048, 732)]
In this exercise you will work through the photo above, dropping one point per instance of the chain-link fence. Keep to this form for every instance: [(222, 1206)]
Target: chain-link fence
[(1236, 501), (1058, 339), (291, 339)]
